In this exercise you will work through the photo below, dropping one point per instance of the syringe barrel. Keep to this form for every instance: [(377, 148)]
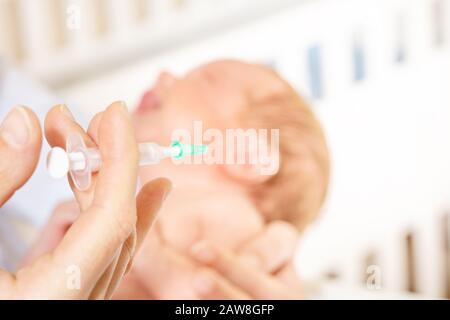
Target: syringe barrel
[(94, 158), (150, 153), (85, 159)]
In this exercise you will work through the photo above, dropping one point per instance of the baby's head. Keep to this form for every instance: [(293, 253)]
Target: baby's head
[(230, 95)]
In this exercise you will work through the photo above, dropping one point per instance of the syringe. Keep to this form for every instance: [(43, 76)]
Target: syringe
[(81, 162)]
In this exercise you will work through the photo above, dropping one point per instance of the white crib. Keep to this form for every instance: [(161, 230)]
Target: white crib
[(62, 41), (385, 225)]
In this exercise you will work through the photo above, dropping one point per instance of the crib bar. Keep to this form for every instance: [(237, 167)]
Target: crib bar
[(10, 31), (101, 21), (369, 261), (57, 20), (438, 21), (446, 253), (411, 276), (141, 10), (162, 10), (73, 22), (37, 25), (121, 16), (86, 22)]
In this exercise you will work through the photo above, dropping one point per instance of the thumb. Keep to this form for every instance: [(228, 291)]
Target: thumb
[(20, 145)]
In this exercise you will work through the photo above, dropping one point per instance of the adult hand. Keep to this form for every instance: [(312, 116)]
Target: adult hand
[(98, 248), (263, 269)]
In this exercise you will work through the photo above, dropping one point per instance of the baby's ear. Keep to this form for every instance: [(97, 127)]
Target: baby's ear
[(253, 165)]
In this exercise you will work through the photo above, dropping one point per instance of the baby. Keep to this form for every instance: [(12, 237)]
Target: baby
[(226, 204)]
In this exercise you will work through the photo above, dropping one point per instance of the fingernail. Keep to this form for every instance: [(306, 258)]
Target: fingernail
[(65, 111), (15, 129), (203, 283), (167, 191), (203, 252), (123, 105)]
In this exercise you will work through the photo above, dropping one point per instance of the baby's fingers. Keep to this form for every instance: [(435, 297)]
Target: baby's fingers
[(210, 285), (253, 282), (273, 248)]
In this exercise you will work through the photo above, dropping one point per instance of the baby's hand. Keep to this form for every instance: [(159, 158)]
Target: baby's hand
[(262, 270), (163, 272), (160, 271), (164, 267)]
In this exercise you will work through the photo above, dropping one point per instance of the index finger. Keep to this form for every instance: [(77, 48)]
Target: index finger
[(113, 188), (116, 182)]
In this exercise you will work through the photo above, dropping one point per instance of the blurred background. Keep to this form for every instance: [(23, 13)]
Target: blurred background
[(377, 73)]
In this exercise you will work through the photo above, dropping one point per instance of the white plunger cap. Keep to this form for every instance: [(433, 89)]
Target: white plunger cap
[(58, 163)]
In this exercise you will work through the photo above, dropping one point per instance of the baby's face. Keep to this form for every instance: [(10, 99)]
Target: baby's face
[(204, 204), (215, 94)]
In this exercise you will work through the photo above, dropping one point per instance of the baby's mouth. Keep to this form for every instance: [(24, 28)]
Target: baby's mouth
[(150, 101)]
